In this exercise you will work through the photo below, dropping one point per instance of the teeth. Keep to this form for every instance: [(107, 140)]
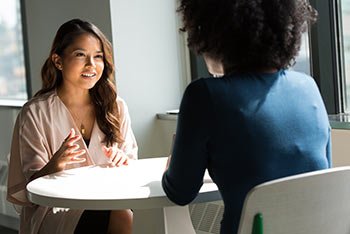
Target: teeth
[(88, 75)]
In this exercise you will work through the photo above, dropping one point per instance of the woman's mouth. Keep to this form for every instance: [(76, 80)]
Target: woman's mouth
[(88, 75)]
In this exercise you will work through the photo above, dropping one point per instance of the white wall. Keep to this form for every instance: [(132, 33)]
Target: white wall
[(149, 68)]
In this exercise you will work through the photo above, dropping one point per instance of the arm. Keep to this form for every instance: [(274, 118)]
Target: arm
[(184, 176), (28, 155)]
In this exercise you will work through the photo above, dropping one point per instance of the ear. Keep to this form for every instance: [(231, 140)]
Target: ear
[(56, 59), (214, 66)]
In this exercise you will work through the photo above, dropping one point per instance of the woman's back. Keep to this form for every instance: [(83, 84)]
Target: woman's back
[(247, 129)]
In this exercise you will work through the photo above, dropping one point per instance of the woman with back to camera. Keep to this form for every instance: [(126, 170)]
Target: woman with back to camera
[(76, 119), (258, 121)]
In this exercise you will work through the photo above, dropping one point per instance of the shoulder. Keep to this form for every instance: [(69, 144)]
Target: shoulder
[(122, 106), (198, 95), (120, 101), (298, 77), (302, 86), (201, 82), (198, 86), (38, 105)]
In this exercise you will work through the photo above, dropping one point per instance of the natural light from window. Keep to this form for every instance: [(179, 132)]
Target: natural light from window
[(12, 67), (302, 61)]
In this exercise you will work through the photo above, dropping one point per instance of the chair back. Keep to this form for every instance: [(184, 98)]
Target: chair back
[(310, 203)]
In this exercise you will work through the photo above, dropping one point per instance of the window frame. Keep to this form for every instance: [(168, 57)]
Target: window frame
[(327, 55)]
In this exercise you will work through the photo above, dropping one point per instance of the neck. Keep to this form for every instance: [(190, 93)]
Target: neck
[(77, 98), (268, 70), (81, 108), (214, 66), (259, 70)]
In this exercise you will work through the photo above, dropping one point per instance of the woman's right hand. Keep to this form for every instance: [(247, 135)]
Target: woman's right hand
[(68, 153)]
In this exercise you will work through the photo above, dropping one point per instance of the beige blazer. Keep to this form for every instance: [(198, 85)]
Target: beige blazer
[(41, 126)]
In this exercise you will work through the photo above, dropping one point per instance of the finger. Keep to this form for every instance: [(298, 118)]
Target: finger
[(72, 148), (70, 134), (70, 151), (168, 162), (126, 162), (122, 161), (73, 140), (75, 157), (69, 157), (69, 137), (107, 151), (68, 148), (115, 160), (119, 160), (76, 160)]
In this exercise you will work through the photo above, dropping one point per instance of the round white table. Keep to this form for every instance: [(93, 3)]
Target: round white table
[(136, 186)]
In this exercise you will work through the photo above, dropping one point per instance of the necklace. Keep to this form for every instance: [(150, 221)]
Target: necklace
[(82, 129), (77, 121), (75, 118)]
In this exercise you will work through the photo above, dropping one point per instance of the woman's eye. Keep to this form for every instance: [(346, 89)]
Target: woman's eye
[(79, 54), (100, 56)]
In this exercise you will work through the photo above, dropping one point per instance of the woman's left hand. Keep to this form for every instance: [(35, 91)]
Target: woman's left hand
[(117, 157), (168, 162)]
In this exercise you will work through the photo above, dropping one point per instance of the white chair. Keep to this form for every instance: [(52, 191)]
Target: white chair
[(311, 203)]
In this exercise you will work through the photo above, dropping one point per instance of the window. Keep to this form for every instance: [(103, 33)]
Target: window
[(345, 18), (13, 83), (302, 62)]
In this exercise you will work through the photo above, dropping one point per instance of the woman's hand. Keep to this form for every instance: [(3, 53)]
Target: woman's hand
[(167, 163), (117, 157), (68, 153)]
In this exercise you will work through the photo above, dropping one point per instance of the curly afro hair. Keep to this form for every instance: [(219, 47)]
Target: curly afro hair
[(247, 35)]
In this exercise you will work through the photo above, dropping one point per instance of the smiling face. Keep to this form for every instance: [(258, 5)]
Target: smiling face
[(81, 63)]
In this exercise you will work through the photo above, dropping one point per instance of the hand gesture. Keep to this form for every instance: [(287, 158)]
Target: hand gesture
[(117, 157), (68, 153)]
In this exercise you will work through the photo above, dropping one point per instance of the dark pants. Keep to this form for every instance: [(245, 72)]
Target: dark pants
[(93, 221)]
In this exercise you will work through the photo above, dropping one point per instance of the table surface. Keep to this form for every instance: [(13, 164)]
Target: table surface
[(136, 186)]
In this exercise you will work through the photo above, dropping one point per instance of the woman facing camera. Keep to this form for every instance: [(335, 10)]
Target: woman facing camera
[(258, 121), (76, 119)]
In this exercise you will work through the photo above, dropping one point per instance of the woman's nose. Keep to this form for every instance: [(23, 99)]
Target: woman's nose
[(90, 61)]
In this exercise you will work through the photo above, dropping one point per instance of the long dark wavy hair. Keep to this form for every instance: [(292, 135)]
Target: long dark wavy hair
[(247, 35), (104, 93)]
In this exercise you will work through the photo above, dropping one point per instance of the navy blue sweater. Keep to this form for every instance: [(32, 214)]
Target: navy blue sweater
[(246, 129)]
